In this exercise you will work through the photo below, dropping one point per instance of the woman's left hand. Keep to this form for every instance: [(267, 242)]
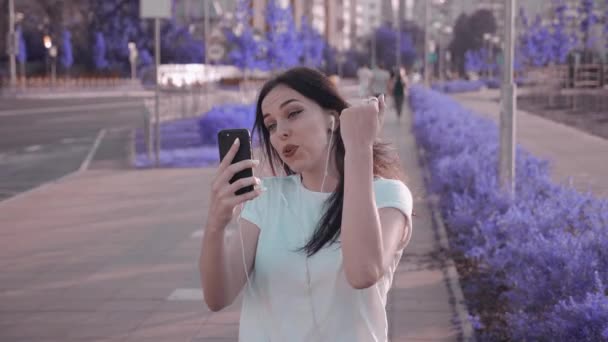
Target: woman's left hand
[(360, 124)]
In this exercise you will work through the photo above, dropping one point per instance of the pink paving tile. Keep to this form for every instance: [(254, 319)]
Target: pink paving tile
[(183, 306), (224, 317), (59, 317), (12, 318), (107, 324), (122, 305), (144, 291), (166, 332), (57, 331), (423, 325), (218, 331), (177, 318)]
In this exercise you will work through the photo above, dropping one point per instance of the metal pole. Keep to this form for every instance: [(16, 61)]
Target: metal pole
[(373, 63), (509, 105), (12, 42), (398, 31), (207, 35), (427, 71), (157, 90), (439, 54), (54, 71)]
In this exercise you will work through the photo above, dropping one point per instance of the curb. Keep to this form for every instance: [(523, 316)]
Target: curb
[(131, 149), (449, 269)]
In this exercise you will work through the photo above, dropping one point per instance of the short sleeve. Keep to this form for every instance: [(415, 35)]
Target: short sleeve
[(253, 210), (392, 193)]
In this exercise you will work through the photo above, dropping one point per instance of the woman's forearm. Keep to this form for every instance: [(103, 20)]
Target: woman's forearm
[(212, 264), (361, 230)]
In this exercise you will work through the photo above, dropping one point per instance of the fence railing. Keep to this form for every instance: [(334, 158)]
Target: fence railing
[(35, 83), (564, 76)]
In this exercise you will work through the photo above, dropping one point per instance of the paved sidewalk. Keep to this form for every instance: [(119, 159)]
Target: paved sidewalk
[(572, 152), (112, 255)]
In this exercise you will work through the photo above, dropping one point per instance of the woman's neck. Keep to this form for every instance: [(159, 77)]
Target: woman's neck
[(313, 180)]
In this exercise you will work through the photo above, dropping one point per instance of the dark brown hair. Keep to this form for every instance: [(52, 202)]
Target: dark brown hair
[(315, 86)]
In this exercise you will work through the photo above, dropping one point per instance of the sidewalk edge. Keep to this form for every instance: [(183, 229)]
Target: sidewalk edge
[(131, 149), (450, 271)]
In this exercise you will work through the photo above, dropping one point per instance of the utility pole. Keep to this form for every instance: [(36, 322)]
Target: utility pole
[(427, 67), (157, 90), (373, 63), (508, 104), (397, 8), (12, 43), (207, 46)]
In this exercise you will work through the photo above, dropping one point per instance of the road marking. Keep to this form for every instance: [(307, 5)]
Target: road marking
[(197, 234), (186, 295), (68, 140), (33, 148), (75, 108), (87, 160)]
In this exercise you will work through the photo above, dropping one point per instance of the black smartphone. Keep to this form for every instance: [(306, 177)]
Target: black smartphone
[(225, 139)]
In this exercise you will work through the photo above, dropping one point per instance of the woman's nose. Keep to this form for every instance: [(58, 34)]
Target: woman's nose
[(284, 130)]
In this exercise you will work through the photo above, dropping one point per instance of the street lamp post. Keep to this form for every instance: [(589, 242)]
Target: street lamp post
[(426, 44), (53, 54), (48, 43), (12, 43), (487, 37), (508, 104), (494, 54), (397, 9), (207, 38), (444, 55), (133, 60)]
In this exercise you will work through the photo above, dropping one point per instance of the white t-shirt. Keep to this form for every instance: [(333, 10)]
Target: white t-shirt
[(280, 305)]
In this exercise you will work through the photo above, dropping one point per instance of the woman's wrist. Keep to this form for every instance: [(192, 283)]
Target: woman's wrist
[(214, 228), (359, 151)]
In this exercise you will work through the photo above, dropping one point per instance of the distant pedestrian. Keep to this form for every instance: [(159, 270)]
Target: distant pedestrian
[(319, 242), (380, 81), (364, 74), (398, 90)]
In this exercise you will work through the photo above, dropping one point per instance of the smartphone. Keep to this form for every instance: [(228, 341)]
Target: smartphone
[(225, 139)]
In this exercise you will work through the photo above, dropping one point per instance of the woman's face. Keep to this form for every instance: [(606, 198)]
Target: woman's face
[(298, 128)]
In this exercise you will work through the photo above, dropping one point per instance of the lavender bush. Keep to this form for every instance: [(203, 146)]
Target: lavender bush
[(184, 157), (192, 142), (224, 117), (541, 259)]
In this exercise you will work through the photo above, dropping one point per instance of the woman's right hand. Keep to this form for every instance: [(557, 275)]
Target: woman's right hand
[(223, 198)]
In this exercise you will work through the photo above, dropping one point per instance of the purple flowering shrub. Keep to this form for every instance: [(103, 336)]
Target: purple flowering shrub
[(199, 156), (224, 117), (192, 142), (541, 257)]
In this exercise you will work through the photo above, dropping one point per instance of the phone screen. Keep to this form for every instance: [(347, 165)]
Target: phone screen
[(225, 139)]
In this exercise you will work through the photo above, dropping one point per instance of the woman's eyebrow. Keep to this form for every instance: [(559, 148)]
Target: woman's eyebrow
[(281, 106), (287, 102)]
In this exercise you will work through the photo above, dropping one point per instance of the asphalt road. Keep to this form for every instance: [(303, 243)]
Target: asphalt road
[(44, 140)]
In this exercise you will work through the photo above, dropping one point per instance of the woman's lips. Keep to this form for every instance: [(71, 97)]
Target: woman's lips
[(289, 151)]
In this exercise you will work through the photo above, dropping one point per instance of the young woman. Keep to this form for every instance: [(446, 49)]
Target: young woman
[(318, 243)]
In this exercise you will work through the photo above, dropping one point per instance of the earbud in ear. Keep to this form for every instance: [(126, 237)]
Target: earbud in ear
[(332, 123)]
